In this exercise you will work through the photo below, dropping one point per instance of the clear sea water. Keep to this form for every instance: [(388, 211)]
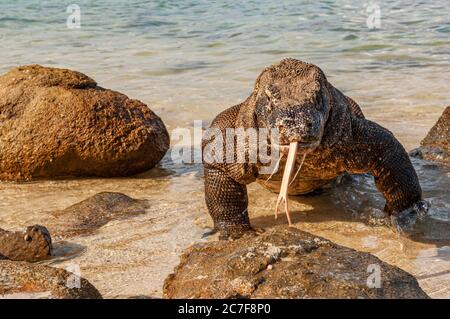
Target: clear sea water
[(188, 60), (194, 58)]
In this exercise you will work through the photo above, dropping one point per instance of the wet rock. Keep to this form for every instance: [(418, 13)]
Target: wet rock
[(59, 123), (24, 280), (94, 212), (436, 145), (33, 244), (285, 263)]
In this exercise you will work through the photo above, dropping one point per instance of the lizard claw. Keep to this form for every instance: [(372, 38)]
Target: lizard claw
[(405, 221)]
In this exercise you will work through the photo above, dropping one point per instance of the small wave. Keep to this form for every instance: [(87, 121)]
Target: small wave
[(18, 20), (350, 37), (368, 47)]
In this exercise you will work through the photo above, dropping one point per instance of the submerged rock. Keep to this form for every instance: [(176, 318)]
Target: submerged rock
[(94, 212), (33, 244), (285, 263), (24, 280), (436, 145), (59, 123)]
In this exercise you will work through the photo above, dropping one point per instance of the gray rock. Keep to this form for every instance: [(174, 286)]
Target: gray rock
[(285, 263)]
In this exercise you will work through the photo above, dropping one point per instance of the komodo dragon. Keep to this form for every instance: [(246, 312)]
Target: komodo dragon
[(295, 99)]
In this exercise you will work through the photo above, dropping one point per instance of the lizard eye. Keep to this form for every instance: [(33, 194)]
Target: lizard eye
[(269, 106), (273, 94)]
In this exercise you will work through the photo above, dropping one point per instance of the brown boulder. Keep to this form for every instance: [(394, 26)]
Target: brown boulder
[(59, 123), (436, 145), (33, 244), (85, 217), (24, 280), (285, 263)]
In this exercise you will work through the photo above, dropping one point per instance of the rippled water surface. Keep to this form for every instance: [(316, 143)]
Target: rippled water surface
[(188, 60)]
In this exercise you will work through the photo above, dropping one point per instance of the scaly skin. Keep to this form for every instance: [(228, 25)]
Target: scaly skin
[(296, 99)]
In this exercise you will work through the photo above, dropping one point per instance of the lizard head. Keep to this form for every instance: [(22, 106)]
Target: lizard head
[(292, 97)]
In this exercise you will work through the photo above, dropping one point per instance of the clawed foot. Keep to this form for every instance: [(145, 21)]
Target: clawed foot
[(210, 233), (405, 221), (233, 232)]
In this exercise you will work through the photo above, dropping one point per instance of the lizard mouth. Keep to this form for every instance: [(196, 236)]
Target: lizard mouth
[(301, 148)]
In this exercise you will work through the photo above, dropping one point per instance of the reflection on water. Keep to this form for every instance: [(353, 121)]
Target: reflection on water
[(359, 196), (189, 60), (63, 250)]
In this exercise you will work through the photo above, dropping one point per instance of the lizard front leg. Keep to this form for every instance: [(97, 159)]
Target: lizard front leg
[(378, 152), (227, 203)]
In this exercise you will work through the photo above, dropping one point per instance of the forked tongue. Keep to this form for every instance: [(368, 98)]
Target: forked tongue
[(288, 169)]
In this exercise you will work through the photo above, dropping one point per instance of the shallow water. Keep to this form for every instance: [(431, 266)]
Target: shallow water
[(188, 60)]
